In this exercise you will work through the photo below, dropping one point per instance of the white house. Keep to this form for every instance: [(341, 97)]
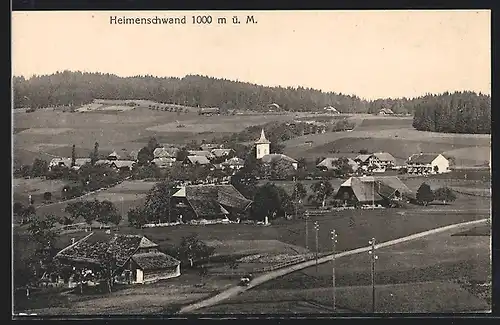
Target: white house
[(428, 163)]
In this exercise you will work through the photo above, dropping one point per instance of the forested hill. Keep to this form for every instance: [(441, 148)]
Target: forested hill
[(459, 112)]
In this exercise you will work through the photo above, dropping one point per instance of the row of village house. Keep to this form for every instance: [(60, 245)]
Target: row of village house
[(164, 157)]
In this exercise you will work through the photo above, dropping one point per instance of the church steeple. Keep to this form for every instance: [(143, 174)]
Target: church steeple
[(262, 146), (262, 139)]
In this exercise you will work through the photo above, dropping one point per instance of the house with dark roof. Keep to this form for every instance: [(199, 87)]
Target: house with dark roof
[(427, 163), (210, 202), (376, 162), (222, 153), (60, 162), (136, 259), (373, 190), (196, 160)]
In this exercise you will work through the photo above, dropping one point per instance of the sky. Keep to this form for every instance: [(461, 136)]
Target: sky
[(371, 54)]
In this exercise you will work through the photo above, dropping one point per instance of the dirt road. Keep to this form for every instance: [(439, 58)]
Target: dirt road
[(233, 291)]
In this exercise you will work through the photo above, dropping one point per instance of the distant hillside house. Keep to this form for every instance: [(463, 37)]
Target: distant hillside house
[(196, 160), (204, 153), (60, 162), (385, 111), (137, 259), (273, 107), (369, 190), (117, 164), (427, 163), (209, 111), (275, 157), (331, 109), (210, 202), (210, 146), (113, 156), (330, 164)]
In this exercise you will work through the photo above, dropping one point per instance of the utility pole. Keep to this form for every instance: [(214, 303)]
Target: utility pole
[(307, 229), (334, 249), (316, 228), (373, 259), (169, 200)]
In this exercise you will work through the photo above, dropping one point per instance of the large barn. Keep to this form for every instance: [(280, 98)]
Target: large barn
[(210, 202), (136, 258), (373, 190)]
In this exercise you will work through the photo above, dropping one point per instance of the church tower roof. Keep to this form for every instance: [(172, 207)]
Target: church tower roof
[(262, 138)]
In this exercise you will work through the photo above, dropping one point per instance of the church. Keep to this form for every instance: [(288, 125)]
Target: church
[(262, 151)]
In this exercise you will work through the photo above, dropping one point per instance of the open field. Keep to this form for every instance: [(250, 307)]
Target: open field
[(410, 277), (35, 187)]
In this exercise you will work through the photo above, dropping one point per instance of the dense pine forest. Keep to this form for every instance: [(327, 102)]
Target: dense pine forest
[(461, 112)]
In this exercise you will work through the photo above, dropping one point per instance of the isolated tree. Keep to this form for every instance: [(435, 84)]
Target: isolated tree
[(282, 169), (18, 208), (271, 201), (152, 144), (445, 194), (136, 217), (108, 213), (322, 191), (299, 192), (436, 169), (342, 167), (193, 249), (73, 156), (182, 154), (301, 163), (94, 155), (157, 206), (47, 196), (144, 156), (425, 194), (40, 167), (88, 210)]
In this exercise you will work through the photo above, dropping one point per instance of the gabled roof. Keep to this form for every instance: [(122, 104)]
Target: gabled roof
[(262, 139), (235, 161), (423, 158), (122, 163), (211, 200), (205, 153), (209, 146), (330, 162), (200, 160), (165, 152), (221, 152), (386, 111), (273, 157), (81, 161), (363, 157), (384, 186), (63, 160), (154, 261), (94, 248), (114, 154), (384, 156)]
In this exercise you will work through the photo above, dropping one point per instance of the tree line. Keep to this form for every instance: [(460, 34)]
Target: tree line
[(68, 88), (458, 112)]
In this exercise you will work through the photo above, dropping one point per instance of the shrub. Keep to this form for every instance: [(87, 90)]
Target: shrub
[(47, 196)]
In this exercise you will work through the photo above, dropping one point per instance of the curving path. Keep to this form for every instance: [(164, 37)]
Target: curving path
[(233, 291)]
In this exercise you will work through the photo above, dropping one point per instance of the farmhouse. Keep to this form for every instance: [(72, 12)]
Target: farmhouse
[(113, 156), (234, 163), (222, 153), (205, 153), (385, 111), (209, 111), (330, 164), (117, 164), (373, 190), (79, 162), (60, 162), (196, 160), (165, 152), (210, 202), (428, 163), (275, 157), (376, 162), (136, 258), (163, 162)]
